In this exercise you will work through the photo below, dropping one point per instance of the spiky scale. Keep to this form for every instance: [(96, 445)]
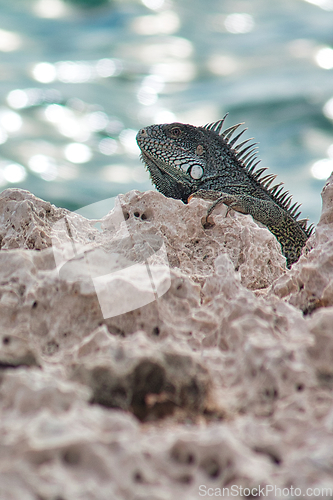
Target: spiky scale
[(250, 166), (292, 207), (304, 222), (259, 172), (274, 188), (231, 143), (267, 180), (249, 160), (239, 146), (249, 155), (277, 194), (284, 196), (240, 153), (227, 134), (216, 126)]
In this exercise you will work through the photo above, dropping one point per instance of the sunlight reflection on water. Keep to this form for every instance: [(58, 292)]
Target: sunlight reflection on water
[(78, 83)]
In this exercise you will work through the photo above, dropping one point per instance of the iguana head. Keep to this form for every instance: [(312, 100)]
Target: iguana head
[(175, 155)]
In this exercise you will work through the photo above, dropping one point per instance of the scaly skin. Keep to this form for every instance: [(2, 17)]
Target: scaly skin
[(185, 161)]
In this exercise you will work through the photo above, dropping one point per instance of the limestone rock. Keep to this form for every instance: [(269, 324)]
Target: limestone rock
[(309, 285), (155, 359), (26, 220)]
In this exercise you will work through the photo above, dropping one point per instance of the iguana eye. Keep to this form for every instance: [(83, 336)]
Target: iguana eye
[(175, 131)]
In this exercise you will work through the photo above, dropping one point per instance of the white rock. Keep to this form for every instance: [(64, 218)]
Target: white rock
[(191, 367)]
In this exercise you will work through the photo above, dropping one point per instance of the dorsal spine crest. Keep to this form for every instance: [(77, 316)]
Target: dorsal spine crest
[(247, 159)]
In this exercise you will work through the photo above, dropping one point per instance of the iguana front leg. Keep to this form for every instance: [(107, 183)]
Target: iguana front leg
[(286, 230), (265, 211)]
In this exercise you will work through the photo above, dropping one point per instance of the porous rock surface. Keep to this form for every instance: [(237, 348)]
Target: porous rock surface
[(221, 377)]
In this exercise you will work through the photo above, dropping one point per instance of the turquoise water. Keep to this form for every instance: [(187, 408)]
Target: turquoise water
[(77, 83)]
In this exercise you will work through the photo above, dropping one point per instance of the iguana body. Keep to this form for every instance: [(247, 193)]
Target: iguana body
[(184, 160)]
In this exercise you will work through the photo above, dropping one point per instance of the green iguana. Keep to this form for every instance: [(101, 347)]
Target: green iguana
[(185, 161)]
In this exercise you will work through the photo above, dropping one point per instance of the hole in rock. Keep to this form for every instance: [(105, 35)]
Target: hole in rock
[(137, 477), (107, 390), (51, 347), (126, 215), (6, 340), (299, 387), (136, 214), (182, 456), (144, 217), (156, 331), (211, 467), (271, 393), (325, 378), (148, 378), (272, 455), (180, 289), (185, 479), (190, 394), (35, 304), (71, 456)]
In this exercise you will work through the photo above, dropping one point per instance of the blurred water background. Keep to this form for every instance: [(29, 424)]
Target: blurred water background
[(79, 78)]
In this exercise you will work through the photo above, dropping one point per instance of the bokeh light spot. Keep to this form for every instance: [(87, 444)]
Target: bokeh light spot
[(324, 58), (323, 4), (44, 72), (322, 169), (14, 172), (3, 136), (77, 153), (108, 146), (44, 166), (10, 120), (17, 99), (9, 41), (166, 23), (108, 67), (147, 96), (74, 71), (55, 113), (51, 9), (153, 4), (222, 64), (239, 23), (328, 109), (117, 173), (128, 139), (177, 71), (97, 120)]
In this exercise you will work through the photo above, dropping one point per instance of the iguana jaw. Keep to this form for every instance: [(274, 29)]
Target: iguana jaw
[(168, 179)]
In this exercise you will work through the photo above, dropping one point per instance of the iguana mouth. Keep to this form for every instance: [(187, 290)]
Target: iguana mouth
[(162, 166), (150, 161)]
